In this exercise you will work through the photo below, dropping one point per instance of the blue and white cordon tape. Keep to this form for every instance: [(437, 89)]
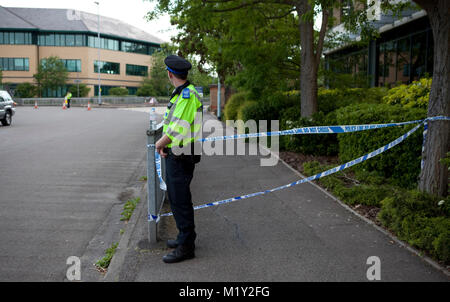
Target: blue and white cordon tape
[(305, 130)]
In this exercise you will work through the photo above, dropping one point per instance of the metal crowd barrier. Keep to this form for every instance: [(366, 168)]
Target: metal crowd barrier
[(155, 196)]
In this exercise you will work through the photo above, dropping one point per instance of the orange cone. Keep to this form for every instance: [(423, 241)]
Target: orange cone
[(89, 106), (35, 105), (64, 105)]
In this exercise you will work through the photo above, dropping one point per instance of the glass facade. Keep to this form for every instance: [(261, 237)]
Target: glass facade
[(132, 90), (107, 67), (55, 93), (405, 59), (76, 40), (353, 63), (142, 48), (72, 65), (68, 40), (16, 38), (136, 70), (15, 64), (134, 47), (399, 57), (110, 44), (105, 89)]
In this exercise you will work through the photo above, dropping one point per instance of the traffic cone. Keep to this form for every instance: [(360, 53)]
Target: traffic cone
[(89, 106), (35, 105), (64, 105)]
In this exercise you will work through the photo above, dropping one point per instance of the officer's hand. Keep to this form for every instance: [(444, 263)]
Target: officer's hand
[(161, 152), (160, 148)]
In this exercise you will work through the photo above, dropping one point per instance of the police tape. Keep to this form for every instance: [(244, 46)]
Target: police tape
[(336, 169)]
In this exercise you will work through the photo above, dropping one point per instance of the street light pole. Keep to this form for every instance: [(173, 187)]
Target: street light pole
[(98, 61)]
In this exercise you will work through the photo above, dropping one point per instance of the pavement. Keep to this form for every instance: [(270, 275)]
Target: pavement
[(297, 234), (64, 177)]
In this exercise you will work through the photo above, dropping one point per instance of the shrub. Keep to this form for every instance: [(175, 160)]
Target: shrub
[(119, 91), (402, 163), (332, 99), (414, 95), (317, 144), (418, 219), (26, 90), (82, 88), (233, 104), (269, 107), (365, 193)]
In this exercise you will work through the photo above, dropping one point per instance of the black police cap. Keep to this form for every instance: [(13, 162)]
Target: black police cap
[(177, 64)]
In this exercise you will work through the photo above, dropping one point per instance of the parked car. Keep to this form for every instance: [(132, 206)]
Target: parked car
[(7, 108)]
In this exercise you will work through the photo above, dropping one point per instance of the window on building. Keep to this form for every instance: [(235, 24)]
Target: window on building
[(418, 55), (14, 64), (136, 70), (61, 40), (110, 44), (58, 92), (403, 60), (135, 47), (15, 38), (70, 40), (79, 40), (387, 63), (72, 65), (132, 90), (104, 89), (107, 67)]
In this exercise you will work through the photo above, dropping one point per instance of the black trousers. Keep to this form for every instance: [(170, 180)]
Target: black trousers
[(179, 173)]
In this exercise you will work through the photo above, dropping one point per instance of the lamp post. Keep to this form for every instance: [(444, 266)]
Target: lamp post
[(98, 61)]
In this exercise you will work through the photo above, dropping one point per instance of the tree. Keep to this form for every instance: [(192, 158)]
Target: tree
[(198, 78), (205, 20), (157, 84), (51, 74), (434, 175)]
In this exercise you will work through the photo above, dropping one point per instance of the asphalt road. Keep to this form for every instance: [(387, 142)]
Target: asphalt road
[(61, 174)]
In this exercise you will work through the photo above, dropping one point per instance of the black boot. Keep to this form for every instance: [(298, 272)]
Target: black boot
[(172, 243), (182, 252)]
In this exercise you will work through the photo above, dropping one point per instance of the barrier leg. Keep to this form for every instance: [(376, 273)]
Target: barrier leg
[(151, 186)]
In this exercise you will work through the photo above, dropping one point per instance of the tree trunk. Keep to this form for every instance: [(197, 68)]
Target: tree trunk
[(308, 68), (434, 175)]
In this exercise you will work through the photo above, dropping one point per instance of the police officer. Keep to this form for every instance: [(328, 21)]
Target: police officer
[(182, 126), (68, 98)]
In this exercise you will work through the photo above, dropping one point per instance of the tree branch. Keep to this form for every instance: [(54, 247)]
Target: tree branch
[(286, 2), (323, 29)]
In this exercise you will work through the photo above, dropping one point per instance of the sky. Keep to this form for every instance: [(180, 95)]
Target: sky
[(128, 11)]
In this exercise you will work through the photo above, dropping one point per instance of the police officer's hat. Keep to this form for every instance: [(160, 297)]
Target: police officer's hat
[(177, 65)]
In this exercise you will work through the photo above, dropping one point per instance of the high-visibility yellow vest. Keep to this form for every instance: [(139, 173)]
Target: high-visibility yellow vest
[(183, 117)]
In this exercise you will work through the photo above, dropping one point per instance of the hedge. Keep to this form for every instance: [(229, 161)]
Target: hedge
[(402, 163), (317, 144), (119, 91)]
